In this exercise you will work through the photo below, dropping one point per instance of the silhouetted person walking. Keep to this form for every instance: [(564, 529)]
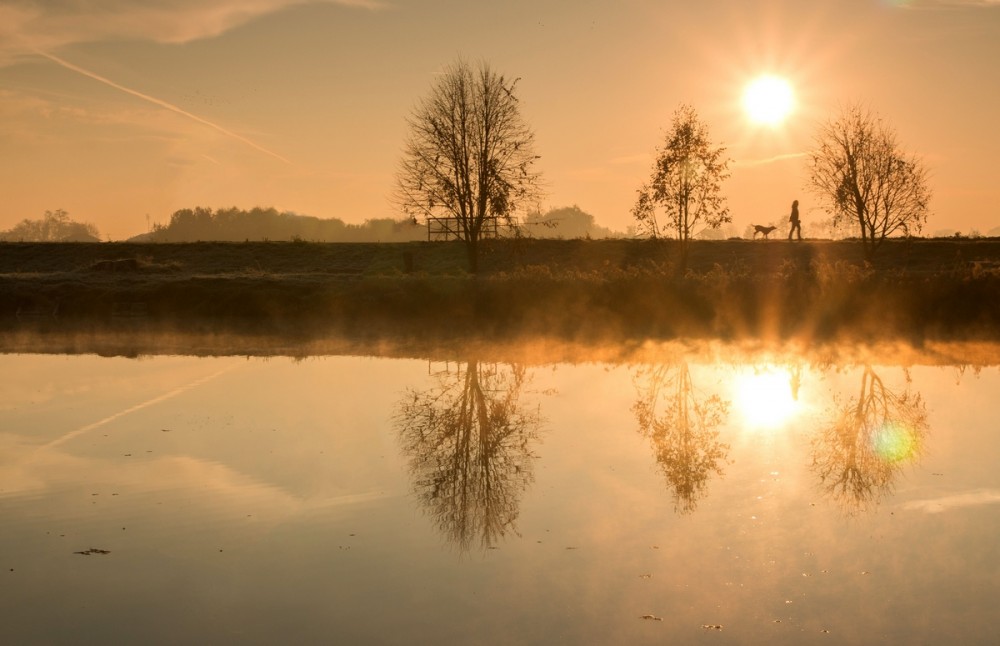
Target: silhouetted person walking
[(794, 219)]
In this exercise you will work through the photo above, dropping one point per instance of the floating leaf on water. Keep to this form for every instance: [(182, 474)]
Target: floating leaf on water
[(712, 626), (651, 617), (93, 550)]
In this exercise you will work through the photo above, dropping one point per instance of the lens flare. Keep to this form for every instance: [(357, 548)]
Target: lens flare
[(895, 443)]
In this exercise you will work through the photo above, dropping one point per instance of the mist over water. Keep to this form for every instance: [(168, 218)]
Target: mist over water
[(226, 490)]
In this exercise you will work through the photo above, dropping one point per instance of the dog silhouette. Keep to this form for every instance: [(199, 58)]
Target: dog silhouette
[(757, 228)]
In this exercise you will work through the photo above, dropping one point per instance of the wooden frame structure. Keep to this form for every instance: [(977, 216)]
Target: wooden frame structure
[(448, 228)]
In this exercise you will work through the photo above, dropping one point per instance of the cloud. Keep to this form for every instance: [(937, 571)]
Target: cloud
[(976, 498), (27, 25), (624, 160), (768, 160), (52, 474)]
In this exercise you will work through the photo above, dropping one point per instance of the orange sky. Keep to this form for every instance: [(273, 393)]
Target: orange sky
[(119, 109)]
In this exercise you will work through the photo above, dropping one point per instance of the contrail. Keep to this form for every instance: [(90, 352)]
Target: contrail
[(770, 160), (159, 102), (149, 402)]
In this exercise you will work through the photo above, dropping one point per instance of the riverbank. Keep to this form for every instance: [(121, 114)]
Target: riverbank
[(587, 290)]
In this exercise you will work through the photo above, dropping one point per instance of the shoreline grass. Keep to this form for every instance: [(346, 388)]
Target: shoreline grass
[(589, 290)]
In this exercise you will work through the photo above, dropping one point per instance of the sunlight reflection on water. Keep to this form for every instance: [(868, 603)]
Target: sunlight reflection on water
[(766, 397)]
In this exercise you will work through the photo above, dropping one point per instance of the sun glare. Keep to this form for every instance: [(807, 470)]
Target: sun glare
[(765, 399), (768, 100)]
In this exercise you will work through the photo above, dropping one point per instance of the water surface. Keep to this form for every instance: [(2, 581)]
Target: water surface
[(691, 498)]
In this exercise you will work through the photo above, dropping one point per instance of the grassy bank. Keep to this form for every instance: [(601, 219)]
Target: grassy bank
[(572, 289)]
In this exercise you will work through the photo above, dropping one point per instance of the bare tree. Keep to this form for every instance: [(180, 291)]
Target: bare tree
[(860, 172), (470, 155), (686, 182)]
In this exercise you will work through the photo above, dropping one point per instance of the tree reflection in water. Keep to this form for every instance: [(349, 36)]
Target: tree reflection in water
[(859, 454), (682, 429), (469, 444)]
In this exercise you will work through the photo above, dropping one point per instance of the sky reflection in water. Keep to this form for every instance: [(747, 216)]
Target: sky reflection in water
[(364, 500)]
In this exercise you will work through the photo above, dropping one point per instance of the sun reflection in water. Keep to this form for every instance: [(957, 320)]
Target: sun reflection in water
[(765, 398)]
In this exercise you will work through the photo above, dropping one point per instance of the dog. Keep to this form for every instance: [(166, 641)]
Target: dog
[(757, 228)]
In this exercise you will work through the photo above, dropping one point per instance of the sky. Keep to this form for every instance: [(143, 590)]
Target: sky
[(124, 111)]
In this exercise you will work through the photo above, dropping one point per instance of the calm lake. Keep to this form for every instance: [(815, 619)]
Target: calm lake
[(681, 495)]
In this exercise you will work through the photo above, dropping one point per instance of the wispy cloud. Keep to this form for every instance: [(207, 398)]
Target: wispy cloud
[(640, 158), (768, 160), (161, 103), (27, 24), (975, 498)]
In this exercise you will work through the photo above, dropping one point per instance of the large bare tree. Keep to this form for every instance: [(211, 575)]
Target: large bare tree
[(859, 170), (686, 183), (470, 155)]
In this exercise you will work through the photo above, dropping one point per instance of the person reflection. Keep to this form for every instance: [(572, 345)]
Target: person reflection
[(860, 452), (795, 380), (682, 428), (469, 445)]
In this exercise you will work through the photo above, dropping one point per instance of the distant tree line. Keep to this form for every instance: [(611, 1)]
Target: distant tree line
[(238, 225), (54, 226), (567, 222)]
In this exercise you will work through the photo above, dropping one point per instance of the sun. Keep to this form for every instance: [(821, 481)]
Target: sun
[(768, 100)]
